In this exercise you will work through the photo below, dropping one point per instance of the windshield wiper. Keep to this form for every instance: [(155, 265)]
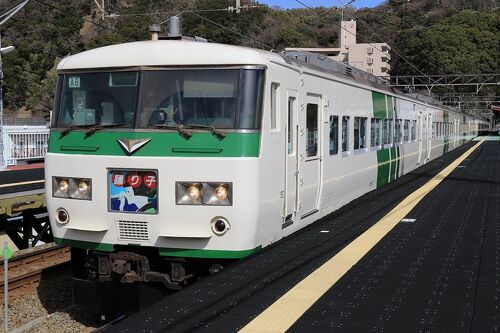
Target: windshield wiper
[(96, 127), (212, 129), (178, 128), (73, 127)]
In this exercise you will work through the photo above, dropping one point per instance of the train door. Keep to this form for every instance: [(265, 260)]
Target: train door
[(428, 136), (291, 194), (420, 136), (310, 154)]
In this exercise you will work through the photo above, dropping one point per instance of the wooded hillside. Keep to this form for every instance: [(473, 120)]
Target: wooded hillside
[(437, 36)]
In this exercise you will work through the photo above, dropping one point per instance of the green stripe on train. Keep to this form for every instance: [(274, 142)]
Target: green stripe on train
[(162, 144), (222, 254), (387, 159), (165, 252)]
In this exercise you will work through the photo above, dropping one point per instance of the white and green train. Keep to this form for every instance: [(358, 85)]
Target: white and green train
[(167, 156)]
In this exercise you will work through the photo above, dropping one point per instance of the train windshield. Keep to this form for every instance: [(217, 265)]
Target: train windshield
[(221, 98)]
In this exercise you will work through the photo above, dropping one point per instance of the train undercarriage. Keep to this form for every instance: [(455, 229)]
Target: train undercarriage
[(126, 280)]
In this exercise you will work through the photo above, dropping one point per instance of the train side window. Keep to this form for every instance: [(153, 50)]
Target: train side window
[(397, 131), (387, 131), (345, 134), (414, 131), (359, 132), (375, 132), (274, 106), (406, 131), (312, 129), (334, 135), (290, 127)]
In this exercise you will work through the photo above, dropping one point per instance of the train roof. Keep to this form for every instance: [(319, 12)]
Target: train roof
[(167, 52)]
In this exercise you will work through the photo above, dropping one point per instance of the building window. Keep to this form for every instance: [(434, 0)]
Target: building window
[(291, 107), (334, 135), (387, 131), (375, 132), (359, 132), (345, 133), (312, 129), (274, 106)]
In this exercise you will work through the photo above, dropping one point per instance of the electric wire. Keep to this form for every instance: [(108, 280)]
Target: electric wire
[(82, 18), (380, 38), (229, 29), (392, 48)]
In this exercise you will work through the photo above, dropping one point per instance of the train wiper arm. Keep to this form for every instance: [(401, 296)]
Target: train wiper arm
[(178, 128), (212, 129), (97, 127), (73, 127)]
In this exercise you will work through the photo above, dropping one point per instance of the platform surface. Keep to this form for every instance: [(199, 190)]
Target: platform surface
[(438, 273), (27, 178)]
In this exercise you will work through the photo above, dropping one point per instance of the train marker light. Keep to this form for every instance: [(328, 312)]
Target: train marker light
[(62, 216), (220, 225)]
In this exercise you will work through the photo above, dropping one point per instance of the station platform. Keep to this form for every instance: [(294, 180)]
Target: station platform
[(21, 179), (22, 199), (436, 268)]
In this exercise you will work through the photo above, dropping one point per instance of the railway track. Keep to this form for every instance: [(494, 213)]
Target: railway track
[(29, 267)]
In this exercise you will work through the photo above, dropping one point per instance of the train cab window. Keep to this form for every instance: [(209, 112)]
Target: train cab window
[(291, 125), (397, 131), (359, 132), (274, 106), (414, 130), (387, 131), (312, 129), (334, 135), (375, 132), (406, 131), (345, 134)]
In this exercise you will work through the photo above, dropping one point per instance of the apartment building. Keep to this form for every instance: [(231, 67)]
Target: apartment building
[(370, 57)]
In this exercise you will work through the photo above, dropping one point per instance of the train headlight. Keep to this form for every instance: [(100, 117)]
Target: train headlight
[(189, 193), (200, 193), (218, 194), (80, 188), (72, 188), (60, 187), (193, 192)]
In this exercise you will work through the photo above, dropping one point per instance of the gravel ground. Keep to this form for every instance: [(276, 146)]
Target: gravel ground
[(48, 308)]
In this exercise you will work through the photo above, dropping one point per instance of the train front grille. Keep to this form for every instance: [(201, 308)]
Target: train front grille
[(133, 230)]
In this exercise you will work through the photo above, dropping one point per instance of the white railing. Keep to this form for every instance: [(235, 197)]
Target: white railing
[(23, 143)]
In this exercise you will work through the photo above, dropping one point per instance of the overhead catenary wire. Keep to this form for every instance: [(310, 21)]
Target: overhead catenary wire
[(392, 48), (377, 35), (228, 29), (84, 19)]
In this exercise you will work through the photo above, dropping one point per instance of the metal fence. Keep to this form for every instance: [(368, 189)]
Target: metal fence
[(23, 143)]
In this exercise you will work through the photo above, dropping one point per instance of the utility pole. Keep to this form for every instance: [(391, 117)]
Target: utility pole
[(4, 50)]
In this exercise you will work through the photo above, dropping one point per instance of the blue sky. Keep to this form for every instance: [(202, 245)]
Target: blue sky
[(317, 3)]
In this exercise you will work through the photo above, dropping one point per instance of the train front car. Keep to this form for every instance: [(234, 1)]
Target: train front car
[(152, 165)]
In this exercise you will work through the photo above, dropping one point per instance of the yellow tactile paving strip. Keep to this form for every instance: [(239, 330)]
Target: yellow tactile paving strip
[(283, 313)]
